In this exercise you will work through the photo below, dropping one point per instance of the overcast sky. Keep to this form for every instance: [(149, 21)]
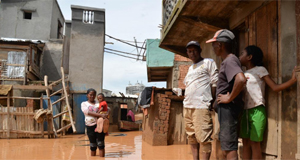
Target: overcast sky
[(125, 19)]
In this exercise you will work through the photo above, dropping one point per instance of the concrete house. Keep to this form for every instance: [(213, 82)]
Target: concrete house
[(31, 42), (31, 19), (38, 21), (83, 55), (271, 25), (87, 39)]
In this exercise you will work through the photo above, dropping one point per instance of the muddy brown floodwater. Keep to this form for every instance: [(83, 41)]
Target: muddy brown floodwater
[(118, 145)]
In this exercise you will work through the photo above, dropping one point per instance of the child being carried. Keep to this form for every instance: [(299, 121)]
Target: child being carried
[(102, 123)]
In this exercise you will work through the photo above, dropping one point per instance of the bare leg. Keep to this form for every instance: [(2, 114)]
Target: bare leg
[(93, 153), (231, 155), (256, 150), (105, 125), (101, 152), (195, 151), (99, 127), (246, 149), (205, 150), (219, 153), (205, 156)]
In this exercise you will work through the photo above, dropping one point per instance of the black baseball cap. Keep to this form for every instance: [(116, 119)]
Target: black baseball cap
[(223, 35), (193, 43)]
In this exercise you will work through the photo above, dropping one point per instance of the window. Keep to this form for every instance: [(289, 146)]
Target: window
[(123, 106), (88, 17), (27, 15), (59, 30)]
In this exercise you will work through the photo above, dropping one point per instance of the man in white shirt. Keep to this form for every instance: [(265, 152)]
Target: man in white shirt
[(200, 81)]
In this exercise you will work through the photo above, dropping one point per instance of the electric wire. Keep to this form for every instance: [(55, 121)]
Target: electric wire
[(120, 51), (122, 55), (123, 41)]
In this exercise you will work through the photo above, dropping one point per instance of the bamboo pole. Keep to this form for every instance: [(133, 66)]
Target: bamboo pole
[(42, 124), (50, 120), (60, 114), (59, 100), (64, 127), (8, 115), (1, 121), (31, 98), (25, 120), (19, 113), (55, 82), (17, 122), (56, 92), (67, 99), (17, 97), (23, 132)]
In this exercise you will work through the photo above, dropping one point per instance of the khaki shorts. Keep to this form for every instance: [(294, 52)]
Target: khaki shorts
[(198, 127)]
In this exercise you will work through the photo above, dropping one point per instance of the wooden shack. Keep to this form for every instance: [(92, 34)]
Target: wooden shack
[(18, 122), (20, 59), (271, 25)]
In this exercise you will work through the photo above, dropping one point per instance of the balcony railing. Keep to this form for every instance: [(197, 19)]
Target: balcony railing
[(168, 7)]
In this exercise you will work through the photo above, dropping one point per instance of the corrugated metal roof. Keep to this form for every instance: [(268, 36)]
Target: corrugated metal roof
[(21, 40), (126, 95)]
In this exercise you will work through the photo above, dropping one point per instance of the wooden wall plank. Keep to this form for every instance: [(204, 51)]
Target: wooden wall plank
[(271, 136), (41, 124), (262, 31), (20, 124), (262, 38), (247, 31), (8, 116), (1, 123), (297, 6), (252, 29)]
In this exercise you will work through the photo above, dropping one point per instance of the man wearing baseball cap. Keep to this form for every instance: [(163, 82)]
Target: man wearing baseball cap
[(230, 84), (200, 81)]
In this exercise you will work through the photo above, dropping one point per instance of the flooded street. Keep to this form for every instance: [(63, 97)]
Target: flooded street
[(119, 145)]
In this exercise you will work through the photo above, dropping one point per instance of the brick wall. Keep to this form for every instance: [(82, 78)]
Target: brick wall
[(156, 126), (183, 69), (181, 66), (180, 58), (161, 123), (179, 72)]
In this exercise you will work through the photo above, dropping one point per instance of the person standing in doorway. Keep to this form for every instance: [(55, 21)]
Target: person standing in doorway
[(231, 82), (200, 81)]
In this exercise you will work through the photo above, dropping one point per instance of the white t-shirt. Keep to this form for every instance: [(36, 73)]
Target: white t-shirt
[(255, 87), (87, 107), (197, 82)]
